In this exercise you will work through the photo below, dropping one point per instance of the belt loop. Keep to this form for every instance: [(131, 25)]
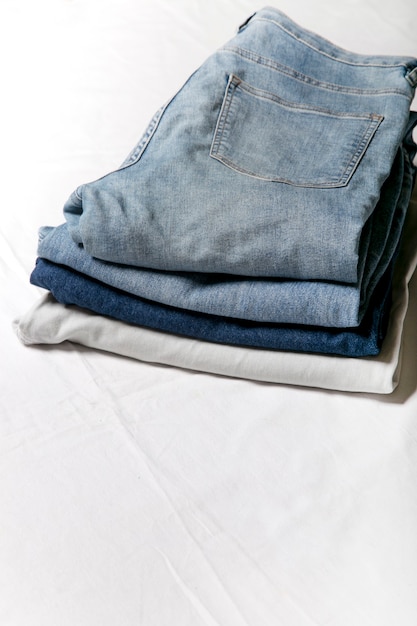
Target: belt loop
[(246, 22), (411, 77)]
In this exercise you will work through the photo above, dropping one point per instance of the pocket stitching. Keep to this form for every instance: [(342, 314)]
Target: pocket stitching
[(234, 82)]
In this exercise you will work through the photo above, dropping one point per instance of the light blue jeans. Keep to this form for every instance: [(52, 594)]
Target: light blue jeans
[(268, 162), (318, 303)]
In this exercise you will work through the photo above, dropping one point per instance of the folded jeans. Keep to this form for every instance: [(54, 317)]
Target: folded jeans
[(317, 303), (268, 162), (71, 287), (49, 322)]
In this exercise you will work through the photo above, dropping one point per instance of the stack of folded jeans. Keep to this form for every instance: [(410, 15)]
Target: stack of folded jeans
[(264, 206)]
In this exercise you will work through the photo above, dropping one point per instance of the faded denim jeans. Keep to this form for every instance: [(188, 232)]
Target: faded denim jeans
[(319, 303), (269, 162)]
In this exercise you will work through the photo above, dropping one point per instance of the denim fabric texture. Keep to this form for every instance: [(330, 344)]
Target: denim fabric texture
[(317, 303), (49, 322), (268, 162), (71, 287), (259, 229)]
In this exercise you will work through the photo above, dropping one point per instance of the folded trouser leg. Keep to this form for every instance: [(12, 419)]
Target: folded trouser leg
[(70, 287), (266, 300)]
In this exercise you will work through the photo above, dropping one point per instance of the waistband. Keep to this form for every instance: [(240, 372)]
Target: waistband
[(320, 45)]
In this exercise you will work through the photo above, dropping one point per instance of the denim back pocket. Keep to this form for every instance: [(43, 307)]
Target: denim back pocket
[(260, 134)]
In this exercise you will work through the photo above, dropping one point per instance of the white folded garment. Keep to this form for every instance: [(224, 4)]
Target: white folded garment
[(49, 322)]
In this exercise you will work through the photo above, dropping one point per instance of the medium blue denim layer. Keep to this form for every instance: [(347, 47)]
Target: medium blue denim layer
[(70, 287), (264, 300), (268, 162)]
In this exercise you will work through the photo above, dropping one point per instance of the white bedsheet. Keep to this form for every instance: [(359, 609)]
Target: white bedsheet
[(134, 494)]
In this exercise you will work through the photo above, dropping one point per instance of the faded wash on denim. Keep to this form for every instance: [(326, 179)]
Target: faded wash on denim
[(268, 162), (317, 303)]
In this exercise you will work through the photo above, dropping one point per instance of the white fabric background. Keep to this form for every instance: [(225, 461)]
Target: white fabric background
[(135, 494)]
